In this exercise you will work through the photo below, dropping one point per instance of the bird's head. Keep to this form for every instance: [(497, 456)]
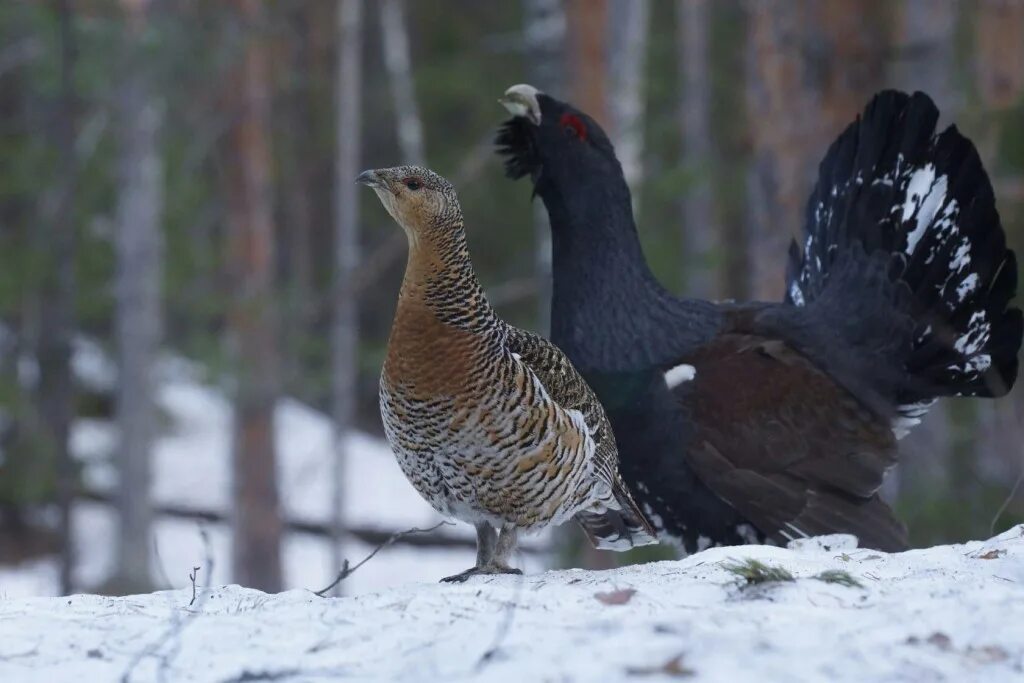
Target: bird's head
[(552, 141), (419, 200)]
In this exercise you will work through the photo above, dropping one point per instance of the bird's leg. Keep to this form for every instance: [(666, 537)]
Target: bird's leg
[(492, 553), (486, 539), (503, 551)]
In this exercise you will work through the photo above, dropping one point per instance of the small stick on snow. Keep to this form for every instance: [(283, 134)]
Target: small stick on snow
[(192, 576), (347, 571)]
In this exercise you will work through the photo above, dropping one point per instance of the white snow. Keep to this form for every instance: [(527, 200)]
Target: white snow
[(952, 613)]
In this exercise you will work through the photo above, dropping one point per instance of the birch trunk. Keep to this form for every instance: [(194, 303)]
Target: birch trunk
[(395, 42), (344, 322), (139, 250)]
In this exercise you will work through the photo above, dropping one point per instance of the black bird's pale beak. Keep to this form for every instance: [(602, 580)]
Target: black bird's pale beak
[(521, 100), (370, 179)]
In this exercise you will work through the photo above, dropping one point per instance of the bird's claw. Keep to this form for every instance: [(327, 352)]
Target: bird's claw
[(490, 569)]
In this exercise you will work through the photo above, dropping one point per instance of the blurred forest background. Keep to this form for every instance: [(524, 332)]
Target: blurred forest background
[(176, 181)]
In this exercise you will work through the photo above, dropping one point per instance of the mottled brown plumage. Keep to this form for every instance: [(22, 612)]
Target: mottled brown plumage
[(491, 424)]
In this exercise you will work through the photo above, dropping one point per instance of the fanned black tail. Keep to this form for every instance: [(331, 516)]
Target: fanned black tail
[(620, 527), (897, 204)]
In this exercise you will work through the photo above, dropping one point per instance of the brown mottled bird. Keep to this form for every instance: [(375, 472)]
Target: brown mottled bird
[(490, 423)]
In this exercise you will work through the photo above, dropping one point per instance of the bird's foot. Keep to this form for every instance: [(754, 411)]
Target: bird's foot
[(484, 570)]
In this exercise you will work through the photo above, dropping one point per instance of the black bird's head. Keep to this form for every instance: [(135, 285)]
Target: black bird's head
[(554, 143)]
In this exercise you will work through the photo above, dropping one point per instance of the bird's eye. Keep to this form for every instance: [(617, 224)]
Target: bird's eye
[(572, 125), (413, 183)]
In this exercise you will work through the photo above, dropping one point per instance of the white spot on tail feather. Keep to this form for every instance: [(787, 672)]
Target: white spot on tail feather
[(925, 195), (967, 285), (909, 416), (978, 329), (797, 530), (679, 374), (979, 363), (618, 544), (901, 426), (796, 294), (962, 257)]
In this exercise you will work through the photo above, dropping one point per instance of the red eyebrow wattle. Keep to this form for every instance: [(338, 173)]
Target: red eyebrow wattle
[(575, 123)]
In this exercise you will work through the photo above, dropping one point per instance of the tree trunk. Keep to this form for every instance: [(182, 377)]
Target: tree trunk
[(999, 69), (256, 558), (925, 58), (925, 61), (784, 114), (395, 42), (56, 323), (587, 21), (345, 320), (544, 31), (999, 40), (139, 249), (847, 66), (700, 227), (811, 68), (629, 29)]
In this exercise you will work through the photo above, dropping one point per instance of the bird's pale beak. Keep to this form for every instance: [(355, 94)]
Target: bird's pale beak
[(521, 100), (370, 179)]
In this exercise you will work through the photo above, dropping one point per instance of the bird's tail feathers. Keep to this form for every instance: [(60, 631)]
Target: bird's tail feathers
[(620, 526), (905, 218)]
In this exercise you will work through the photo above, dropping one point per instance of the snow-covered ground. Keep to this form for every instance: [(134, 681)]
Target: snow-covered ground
[(191, 469), (950, 613)]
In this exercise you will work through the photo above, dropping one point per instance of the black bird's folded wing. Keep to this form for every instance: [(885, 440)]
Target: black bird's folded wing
[(788, 448)]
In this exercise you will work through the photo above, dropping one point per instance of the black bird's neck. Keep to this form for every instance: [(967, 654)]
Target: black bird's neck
[(609, 312)]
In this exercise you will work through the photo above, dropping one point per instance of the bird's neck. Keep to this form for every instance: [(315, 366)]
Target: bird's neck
[(440, 281), (604, 295)]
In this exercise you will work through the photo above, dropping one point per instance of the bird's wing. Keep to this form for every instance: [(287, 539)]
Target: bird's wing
[(780, 441), (613, 529), (569, 391)]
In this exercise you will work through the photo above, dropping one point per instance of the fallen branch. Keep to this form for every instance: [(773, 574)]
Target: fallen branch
[(347, 571), (367, 535)]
